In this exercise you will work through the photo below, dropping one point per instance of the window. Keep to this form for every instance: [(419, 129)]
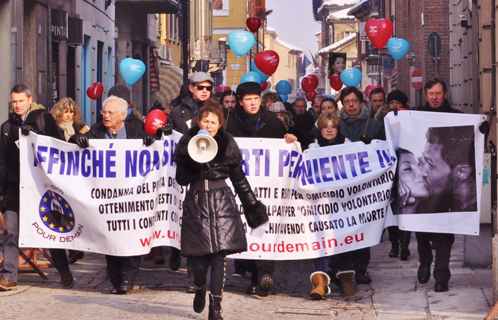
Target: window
[(173, 28), (220, 7)]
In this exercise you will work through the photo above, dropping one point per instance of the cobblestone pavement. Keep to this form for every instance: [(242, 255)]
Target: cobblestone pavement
[(160, 293)]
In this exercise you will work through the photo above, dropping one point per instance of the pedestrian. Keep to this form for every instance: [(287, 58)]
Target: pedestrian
[(122, 270), (68, 117), (212, 227), (27, 116), (315, 109), (329, 134), (395, 99), (356, 125), (181, 119), (329, 105), (251, 120), (133, 117), (269, 98), (302, 120), (377, 100)]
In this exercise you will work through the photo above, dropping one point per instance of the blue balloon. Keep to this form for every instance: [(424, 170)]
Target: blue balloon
[(241, 42), (331, 96), (131, 70), (251, 76), (351, 77), (283, 87), (262, 75), (284, 97), (398, 48)]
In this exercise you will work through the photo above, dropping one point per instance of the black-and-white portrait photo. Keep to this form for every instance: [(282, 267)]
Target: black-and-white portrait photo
[(443, 177)]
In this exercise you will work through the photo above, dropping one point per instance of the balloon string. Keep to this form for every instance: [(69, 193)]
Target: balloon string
[(378, 63), (235, 76)]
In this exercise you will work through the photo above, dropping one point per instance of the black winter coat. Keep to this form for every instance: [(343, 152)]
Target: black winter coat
[(211, 221), (179, 116), (97, 131), (240, 124), (9, 152)]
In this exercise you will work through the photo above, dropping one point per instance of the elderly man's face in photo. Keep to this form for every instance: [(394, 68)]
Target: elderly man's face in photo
[(437, 173), (113, 119)]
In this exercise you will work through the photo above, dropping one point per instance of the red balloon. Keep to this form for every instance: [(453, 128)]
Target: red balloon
[(335, 82), (310, 95), (95, 91), (264, 85), (309, 83), (253, 23), (155, 120), (267, 61), (222, 88), (370, 87), (379, 31)]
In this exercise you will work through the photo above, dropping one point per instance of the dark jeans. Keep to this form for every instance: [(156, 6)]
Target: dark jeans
[(122, 268), (356, 260), (258, 268), (200, 266), (59, 258), (444, 242), (399, 237)]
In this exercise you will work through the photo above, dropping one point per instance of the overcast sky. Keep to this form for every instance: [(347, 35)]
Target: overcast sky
[(294, 23)]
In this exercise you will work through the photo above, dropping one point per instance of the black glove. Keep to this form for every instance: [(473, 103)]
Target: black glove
[(395, 110), (254, 210), (26, 129), (484, 127), (82, 141), (167, 129), (149, 139)]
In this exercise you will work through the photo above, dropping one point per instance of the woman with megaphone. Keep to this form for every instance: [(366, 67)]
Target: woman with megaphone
[(211, 224)]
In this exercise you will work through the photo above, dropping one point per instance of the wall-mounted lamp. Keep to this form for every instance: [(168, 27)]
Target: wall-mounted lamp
[(104, 29)]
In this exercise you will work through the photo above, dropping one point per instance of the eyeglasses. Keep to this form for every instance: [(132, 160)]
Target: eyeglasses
[(346, 102), (329, 128), (104, 112), (208, 88)]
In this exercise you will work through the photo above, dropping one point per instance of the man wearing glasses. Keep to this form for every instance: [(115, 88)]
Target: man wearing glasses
[(357, 125), (122, 270), (201, 87)]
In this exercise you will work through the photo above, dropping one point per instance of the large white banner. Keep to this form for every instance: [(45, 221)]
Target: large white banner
[(440, 170), (119, 197)]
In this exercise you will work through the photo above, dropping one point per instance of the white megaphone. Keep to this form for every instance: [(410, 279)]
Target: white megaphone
[(202, 148)]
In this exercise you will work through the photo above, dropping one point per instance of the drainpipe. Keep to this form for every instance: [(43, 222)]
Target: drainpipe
[(492, 110), (13, 56), (185, 28)]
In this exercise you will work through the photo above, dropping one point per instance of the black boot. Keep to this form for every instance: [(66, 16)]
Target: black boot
[(215, 307), (404, 243), (200, 298)]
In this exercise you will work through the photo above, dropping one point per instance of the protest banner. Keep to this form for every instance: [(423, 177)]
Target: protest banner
[(121, 198), (440, 170)]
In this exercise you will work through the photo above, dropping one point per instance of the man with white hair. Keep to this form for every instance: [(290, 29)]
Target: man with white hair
[(122, 270)]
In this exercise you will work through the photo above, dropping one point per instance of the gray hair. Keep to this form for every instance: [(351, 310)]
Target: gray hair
[(122, 104)]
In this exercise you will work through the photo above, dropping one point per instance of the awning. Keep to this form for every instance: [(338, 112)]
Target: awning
[(170, 79)]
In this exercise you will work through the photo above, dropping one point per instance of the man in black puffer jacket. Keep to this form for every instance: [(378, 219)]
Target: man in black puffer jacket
[(250, 120), (28, 116)]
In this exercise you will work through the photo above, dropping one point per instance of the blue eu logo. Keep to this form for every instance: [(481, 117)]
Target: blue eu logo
[(56, 213)]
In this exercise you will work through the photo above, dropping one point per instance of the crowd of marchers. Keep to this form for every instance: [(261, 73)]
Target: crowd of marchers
[(212, 227)]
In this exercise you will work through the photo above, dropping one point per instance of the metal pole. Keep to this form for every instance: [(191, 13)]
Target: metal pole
[(436, 54), (185, 56)]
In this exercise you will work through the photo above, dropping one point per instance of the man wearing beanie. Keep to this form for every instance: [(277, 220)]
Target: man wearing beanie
[(395, 99), (250, 120), (200, 87)]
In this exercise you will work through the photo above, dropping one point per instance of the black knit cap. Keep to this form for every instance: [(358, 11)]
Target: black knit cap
[(120, 91), (248, 88), (397, 95)]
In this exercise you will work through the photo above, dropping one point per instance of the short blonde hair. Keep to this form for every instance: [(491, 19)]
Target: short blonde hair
[(324, 119), (67, 104)]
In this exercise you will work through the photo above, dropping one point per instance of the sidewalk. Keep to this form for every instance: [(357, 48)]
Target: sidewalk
[(160, 293)]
